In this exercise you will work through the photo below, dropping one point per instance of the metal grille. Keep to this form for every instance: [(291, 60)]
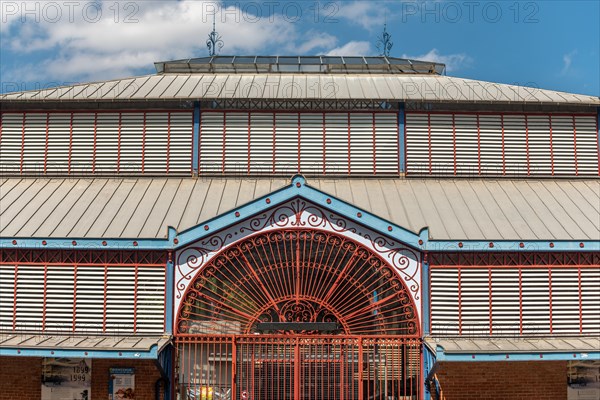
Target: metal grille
[(299, 367), (297, 275), (283, 143), (82, 298), (487, 144), (100, 143)]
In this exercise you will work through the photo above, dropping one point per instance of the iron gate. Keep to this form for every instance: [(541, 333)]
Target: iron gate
[(299, 367)]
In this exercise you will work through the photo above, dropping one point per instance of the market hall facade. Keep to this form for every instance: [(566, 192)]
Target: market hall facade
[(299, 228)]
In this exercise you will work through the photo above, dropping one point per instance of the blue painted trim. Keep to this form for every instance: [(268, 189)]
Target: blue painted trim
[(547, 356), (425, 298), (511, 245), (196, 141), (402, 137), (428, 361), (169, 297), (151, 354)]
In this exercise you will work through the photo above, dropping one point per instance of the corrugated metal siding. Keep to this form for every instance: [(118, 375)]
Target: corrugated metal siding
[(429, 88), (100, 143), (514, 301), (452, 209), (536, 345), (446, 144), (84, 299), (285, 143)]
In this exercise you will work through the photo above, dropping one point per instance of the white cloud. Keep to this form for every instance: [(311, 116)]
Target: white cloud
[(453, 62), (567, 61), (353, 48), (367, 14), (318, 40)]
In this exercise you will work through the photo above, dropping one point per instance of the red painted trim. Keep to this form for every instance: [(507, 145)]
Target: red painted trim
[(144, 145), (47, 142), (45, 299), (491, 303), (521, 301), (95, 142), (405, 146), (279, 111), (299, 139), (527, 144), (249, 124), (551, 144), (429, 140), (168, 160), (503, 146), (499, 113), (16, 281), (119, 143), (598, 143), (349, 147), (80, 111), (580, 300), (135, 297), (454, 140), (324, 144), (105, 298), (199, 144), (478, 145), (23, 142), (550, 298), (459, 301), (74, 297), (274, 139), (575, 146), (1, 118), (224, 142), (374, 147), (71, 142)]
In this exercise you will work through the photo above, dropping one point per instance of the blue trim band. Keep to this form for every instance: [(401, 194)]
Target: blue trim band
[(554, 356), (169, 297), (151, 354), (425, 298), (402, 137)]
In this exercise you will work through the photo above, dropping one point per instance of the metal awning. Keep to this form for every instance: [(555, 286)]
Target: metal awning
[(514, 348), (48, 345)]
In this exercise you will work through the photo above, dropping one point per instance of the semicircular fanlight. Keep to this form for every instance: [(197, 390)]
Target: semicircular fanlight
[(297, 276)]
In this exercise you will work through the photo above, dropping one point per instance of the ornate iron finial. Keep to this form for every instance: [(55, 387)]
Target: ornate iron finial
[(214, 42), (384, 42)]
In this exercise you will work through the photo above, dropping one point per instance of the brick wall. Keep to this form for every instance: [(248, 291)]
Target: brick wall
[(501, 380), (21, 378)]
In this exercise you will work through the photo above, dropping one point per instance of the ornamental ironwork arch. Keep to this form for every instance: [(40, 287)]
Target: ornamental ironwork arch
[(297, 276)]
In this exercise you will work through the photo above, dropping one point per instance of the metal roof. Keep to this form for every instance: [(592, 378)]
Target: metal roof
[(452, 209), (300, 64), (286, 86), (500, 345)]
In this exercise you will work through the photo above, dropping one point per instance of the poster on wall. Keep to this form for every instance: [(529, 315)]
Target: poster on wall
[(122, 384), (583, 380), (66, 379)]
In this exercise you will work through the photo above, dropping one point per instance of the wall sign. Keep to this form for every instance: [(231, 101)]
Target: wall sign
[(66, 378), (122, 384)]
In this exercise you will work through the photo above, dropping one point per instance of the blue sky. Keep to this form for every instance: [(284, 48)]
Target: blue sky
[(547, 44)]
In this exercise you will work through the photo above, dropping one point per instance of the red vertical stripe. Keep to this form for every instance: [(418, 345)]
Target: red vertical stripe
[(74, 297), (299, 138), (454, 140), (550, 296), (324, 144), (520, 301), (503, 151), (45, 300), (16, 280), (95, 142), (105, 298), (575, 145), (46, 145), (119, 143), (274, 138), (551, 145), (135, 298), (70, 142), (168, 161), (429, 141), (144, 144), (527, 144), (374, 148), (349, 148), (598, 142), (491, 302), (23, 142), (194, 144), (249, 121), (224, 142), (459, 301), (580, 299), (478, 145), (1, 118)]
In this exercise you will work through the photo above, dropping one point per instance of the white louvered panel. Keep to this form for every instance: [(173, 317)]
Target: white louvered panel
[(180, 160), (83, 143), (565, 301), (120, 299), (563, 145), (444, 302), (35, 143), (536, 301), (590, 294), (10, 142), (336, 143), (107, 143), (157, 125), (475, 303), (417, 144), (386, 143), (150, 300), (286, 143), (7, 295), (30, 298), (261, 143), (211, 142), (236, 142), (59, 137), (132, 132), (90, 299), (490, 128), (505, 302), (467, 159), (59, 298), (311, 143), (362, 146), (442, 144), (587, 145), (540, 162), (515, 144)]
